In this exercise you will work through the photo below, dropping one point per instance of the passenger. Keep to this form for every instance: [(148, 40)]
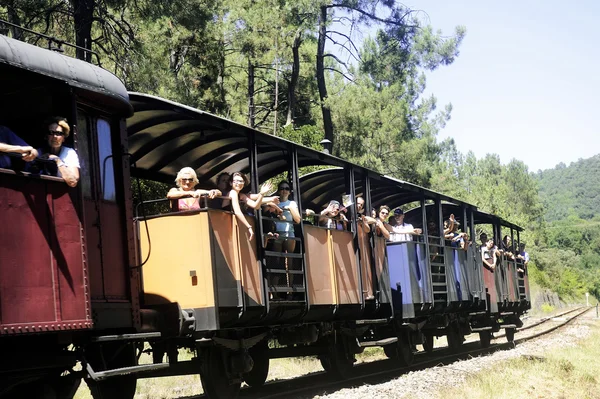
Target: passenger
[(188, 198), (507, 247), (291, 214), (238, 181), (382, 227), (433, 235), (363, 220), (270, 211), (449, 224), (224, 184), (10, 142), (67, 161), (466, 242), (488, 255), (332, 218), (524, 256), (401, 231), (453, 235), (483, 238)]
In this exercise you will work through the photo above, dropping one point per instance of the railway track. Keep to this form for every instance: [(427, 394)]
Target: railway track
[(384, 370)]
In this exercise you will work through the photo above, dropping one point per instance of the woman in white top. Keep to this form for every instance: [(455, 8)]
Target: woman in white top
[(66, 159)]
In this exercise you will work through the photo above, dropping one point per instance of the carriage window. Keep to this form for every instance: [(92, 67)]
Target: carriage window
[(83, 150), (107, 175)]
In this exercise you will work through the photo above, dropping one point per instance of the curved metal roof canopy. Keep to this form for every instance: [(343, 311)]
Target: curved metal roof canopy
[(165, 136), (318, 188), (89, 81)]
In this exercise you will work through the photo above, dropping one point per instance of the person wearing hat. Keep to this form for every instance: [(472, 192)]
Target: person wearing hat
[(66, 159), (401, 231)]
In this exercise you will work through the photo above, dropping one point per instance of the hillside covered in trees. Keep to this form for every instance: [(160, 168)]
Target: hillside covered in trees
[(351, 71)]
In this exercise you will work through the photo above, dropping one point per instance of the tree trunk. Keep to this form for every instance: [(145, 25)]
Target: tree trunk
[(327, 122), (83, 14), (13, 18), (294, 77), (251, 120)]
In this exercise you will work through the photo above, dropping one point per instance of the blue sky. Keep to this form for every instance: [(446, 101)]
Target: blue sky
[(526, 82)]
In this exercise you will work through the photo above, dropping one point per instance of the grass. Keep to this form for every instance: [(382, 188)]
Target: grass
[(571, 372)]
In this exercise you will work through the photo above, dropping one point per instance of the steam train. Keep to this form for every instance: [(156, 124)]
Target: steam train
[(88, 281)]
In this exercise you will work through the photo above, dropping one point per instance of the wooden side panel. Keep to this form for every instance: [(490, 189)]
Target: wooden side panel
[(365, 263), (92, 241), (511, 280), (26, 276), (346, 267), (489, 281), (114, 265), (43, 282), (251, 280), (226, 259), (180, 265), (68, 259), (382, 271), (319, 266)]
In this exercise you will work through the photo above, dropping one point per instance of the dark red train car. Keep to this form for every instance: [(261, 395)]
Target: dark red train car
[(65, 253)]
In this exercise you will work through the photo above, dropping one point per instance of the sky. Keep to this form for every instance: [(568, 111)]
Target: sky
[(526, 83)]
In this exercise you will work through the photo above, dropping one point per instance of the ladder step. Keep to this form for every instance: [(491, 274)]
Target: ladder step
[(508, 326), (481, 329), (283, 254), (283, 271)]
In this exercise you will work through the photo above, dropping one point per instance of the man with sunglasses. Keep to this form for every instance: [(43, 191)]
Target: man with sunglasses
[(65, 158), (11, 143)]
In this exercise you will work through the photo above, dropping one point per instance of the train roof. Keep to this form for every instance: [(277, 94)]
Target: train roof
[(165, 136), (90, 81), (324, 185)]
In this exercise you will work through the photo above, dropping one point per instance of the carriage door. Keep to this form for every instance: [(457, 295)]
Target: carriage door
[(103, 217)]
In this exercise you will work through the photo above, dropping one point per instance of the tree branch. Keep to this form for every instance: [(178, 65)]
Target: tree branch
[(340, 72)]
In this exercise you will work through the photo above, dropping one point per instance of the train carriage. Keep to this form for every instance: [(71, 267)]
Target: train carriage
[(85, 277)]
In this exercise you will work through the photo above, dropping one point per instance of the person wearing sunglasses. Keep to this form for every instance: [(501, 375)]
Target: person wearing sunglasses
[(290, 214), (382, 227), (65, 158), (238, 181), (10, 142), (185, 197)]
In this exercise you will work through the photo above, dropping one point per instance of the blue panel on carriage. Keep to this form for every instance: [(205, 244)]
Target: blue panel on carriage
[(462, 273), (409, 284)]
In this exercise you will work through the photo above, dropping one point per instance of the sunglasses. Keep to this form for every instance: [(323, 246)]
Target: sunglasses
[(55, 133), (187, 180), (284, 188)]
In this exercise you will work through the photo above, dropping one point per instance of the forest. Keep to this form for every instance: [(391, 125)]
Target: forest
[(350, 71)]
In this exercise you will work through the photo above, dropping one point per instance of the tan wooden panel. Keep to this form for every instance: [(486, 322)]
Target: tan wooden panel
[(319, 266), (346, 267), (223, 226), (180, 247), (251, 281), (365, 263), (379, 255)]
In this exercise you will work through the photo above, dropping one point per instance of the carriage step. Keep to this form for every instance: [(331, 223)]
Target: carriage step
[(381, 342), (508, 326), (126, 337), (481, 329), (283, 271), (102, 375), (477, 313), (372, 321)]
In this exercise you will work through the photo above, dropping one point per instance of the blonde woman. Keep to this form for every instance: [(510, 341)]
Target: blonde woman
[(66, 159), (184, 197), (238, 181)]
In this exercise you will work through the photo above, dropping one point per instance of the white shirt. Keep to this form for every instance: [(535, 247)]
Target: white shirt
[(400, 232), (69, 158)]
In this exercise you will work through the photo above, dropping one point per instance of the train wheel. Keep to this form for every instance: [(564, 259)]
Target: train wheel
[(338, 361), (260, 355), (402, 351), (428, 343), (112, 355), (216, 381), (454, 337), (485, 338), (510, 334)]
